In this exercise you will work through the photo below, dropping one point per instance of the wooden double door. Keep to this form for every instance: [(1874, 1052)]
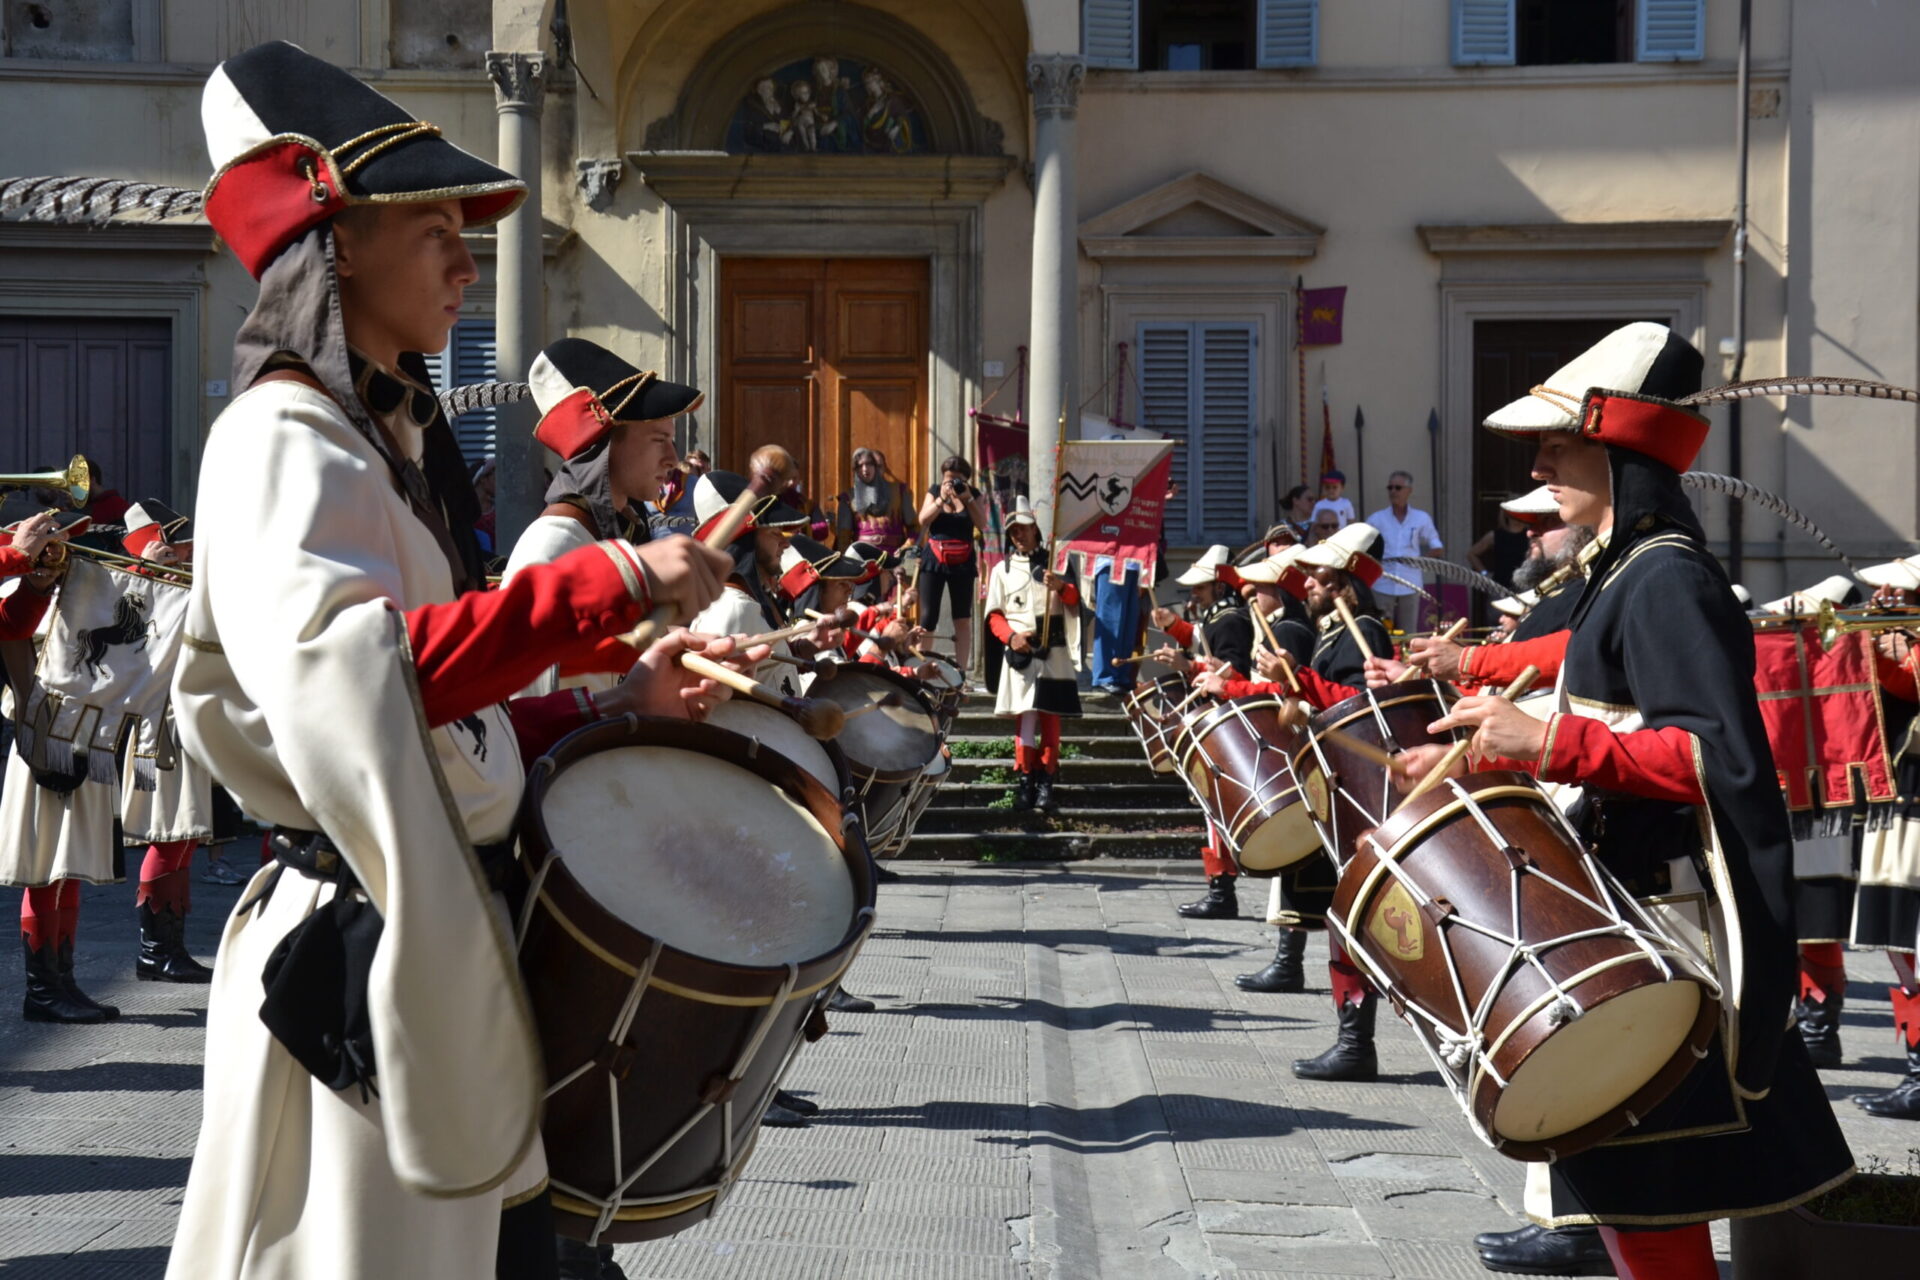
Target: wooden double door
[(825, 356)]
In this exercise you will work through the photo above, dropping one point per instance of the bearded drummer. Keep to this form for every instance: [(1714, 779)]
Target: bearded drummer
[(343, 675), (1223, 630), (1658, 721), (1035, 613)]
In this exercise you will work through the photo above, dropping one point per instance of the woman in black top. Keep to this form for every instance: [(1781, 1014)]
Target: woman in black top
[(951, 514)]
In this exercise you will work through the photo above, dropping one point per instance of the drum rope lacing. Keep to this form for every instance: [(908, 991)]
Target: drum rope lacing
[(1254, 799), (1455, 1052)]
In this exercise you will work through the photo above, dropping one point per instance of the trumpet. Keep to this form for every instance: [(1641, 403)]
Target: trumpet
[(55, 557), (1834, 623), (75, 480)]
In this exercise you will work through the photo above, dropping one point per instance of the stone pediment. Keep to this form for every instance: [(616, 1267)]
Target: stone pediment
[(1196, 216)]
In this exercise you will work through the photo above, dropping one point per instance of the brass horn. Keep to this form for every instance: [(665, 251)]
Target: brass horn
[(75, 480), (1835, 623)]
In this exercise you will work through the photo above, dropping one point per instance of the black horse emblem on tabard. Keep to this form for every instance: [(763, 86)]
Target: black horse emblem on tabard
[(477, 730), (129, 627)]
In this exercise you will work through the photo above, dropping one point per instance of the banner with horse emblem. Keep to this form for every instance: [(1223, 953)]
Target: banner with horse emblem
[(105, 667), (1111, 502)]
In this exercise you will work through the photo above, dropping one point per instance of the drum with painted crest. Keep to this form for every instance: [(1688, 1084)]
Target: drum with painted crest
[(1153, 709), (694, 901), (1237, 758), (887, 748), (1555, 1006), (1348, 793)]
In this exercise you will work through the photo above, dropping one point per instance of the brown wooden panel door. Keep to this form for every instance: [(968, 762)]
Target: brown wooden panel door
[(824, 356), (98, 386), (1511, 357)]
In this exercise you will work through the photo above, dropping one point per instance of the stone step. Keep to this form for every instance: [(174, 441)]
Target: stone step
[(1052, 846), (1072, 772), (1164, 793), (1102, 725), (981, 819), (1114, 748)]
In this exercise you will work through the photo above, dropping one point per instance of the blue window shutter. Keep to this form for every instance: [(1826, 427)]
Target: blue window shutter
[(1289, 33), (1228, 405), (1670, 31), (1166, 406), (469, 358), (1483, 33), (1110, 33)]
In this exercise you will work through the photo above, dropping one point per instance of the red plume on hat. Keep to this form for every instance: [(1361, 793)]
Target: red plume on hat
[(295, 140)]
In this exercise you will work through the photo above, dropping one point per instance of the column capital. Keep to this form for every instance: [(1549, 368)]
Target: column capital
[(519, 79), (1054, 79)]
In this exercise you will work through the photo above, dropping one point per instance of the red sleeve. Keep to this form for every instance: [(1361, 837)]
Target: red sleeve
[(540, 722), (1498, 664), (1254, 689), (479, 649), (1319, 692), (608, 657), (1001, 628), (1182, 632), (1897, 678), (1654, 763), (1070, 596), (14, 563), (20, 612)]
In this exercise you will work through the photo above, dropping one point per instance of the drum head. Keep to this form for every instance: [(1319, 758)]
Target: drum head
[(1596, 1062), (945, 674), (892, 741), (782, 733), (701, 854)]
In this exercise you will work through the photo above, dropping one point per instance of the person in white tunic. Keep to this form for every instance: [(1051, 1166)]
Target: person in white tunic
[(1035, 612), (750, 603), (372, 1114), (612, 425)]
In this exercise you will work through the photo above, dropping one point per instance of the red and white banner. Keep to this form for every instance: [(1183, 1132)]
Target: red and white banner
[(1821, 708), (1112, 501)]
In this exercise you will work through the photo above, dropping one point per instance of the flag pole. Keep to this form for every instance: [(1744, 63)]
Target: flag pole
[(1053, 532), (1360, 454), (1300, 351)]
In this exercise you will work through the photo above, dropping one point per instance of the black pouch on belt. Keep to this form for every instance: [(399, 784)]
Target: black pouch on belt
[(317, 977)]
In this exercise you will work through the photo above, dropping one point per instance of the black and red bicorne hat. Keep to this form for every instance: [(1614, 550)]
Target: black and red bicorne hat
[(295, 140), (715, 491), (1620, 391), (582, 389), (151, 520), (804, 562)]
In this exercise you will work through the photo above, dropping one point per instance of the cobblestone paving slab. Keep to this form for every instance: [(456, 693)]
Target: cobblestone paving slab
[(1061, 1083)]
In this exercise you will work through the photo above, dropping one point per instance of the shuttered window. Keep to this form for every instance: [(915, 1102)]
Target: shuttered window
[(1289, 34), (1671, 31), (470, 353), (1483, 33), (1110, 33), (1198, 387)]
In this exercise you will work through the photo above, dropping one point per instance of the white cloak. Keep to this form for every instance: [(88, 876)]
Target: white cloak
[(46, 836), (297, 689), (1014, 590)]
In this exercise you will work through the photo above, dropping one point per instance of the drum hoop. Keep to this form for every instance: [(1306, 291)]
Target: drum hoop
[(566, 1200)]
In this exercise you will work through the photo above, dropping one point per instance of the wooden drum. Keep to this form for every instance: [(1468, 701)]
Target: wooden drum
[(1556, 1009), (1152, 710), (1237, 757), (887, 750), (1349, 793), (693, 902)]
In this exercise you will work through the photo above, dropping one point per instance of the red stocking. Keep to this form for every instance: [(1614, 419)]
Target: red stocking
[(40, 921), (69, 891), (1023, 757), (1049, 743), (1214, 858), (1683, 1253), (1350, 986), (1823, 970), (163, 878)]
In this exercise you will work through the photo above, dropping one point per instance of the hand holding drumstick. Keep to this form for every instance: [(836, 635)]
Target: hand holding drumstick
[(1500, 730)]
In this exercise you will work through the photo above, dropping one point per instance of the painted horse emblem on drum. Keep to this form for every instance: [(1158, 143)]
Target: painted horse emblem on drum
[(1396, 925)]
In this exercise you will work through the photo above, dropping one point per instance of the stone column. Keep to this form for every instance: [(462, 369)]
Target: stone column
[(519, 82), (1054, 79)]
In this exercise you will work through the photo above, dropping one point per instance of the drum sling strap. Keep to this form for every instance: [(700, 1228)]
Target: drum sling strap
[(317, 977)]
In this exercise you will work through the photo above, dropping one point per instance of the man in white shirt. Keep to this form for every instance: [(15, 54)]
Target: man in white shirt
[(1406, 531)]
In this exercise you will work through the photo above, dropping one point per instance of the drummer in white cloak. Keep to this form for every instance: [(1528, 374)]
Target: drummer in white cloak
[(750, 602), (612, 425), (1039, 682), (342, 676)]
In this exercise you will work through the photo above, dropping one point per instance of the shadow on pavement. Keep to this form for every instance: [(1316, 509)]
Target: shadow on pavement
[(47, 1174), (108, 1077)]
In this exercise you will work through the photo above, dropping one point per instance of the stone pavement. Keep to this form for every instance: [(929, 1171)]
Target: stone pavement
[(1062, 1082)]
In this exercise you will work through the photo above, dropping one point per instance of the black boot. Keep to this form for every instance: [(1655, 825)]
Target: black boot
[(48, 997), (1902, 1102), (1352, 1057), (111, 1011), (1549, 1251), (1284, 974), (1023, 789), (1503, 1239), (779, 1117), (1221, 903), (841, 1002), (1819, 1022), (582, 1261), (795, 1103), (1043, 791), (163, 949)]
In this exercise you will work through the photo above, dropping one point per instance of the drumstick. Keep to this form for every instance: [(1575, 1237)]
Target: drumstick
[(843, 617), (1353, 627), (734, 520), (887, 703), (1129, 660), (819, 718), (1359, 746), (1286, 668), (1459, 749), (818, 669), (1417, 668)]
